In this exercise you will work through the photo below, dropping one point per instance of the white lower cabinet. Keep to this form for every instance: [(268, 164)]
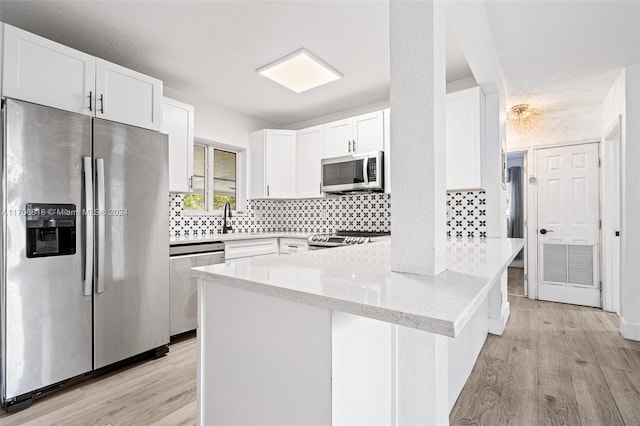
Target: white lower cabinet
[(293, 245), (249, 248)]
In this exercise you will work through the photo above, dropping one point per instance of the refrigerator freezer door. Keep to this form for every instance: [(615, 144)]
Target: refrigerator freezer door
[(46, 316), (131, 311)]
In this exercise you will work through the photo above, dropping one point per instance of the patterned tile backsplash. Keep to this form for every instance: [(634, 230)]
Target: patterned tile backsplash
[(360, 212), (467, 214)]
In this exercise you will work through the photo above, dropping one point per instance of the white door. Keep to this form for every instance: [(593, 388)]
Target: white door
[(127, 96), (568, 224), (338, 138), (47, 73), (280, 163), (368, 133), (309, 154), (177, 122)]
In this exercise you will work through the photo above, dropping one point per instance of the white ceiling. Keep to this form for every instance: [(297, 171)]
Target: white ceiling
[(209, 50), (561, 54)]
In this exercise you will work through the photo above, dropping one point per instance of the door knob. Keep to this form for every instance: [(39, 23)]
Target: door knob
[(544, 231)]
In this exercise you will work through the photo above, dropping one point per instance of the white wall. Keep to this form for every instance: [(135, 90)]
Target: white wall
[(557, 127), (515, 160), (347, 113), (220, 124), (613, 104), (624, 99), (453, 86)]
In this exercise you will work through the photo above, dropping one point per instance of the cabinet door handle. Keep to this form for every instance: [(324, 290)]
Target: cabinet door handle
[(190, 183), (267, 190), (354, 145), (90, 100), (349, 145), (102, 104)]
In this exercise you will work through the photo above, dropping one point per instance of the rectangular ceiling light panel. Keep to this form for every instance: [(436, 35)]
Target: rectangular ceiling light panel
[(300, 71)]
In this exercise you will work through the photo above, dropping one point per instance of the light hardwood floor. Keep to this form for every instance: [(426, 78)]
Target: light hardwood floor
[(161, 391), (515, 284), (555, 364)]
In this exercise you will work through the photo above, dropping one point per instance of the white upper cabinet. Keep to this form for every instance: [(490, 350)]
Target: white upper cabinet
[(338, 138), (128, 96), (309, 151), (368, 132), (177, 122), (45, 72), (364, 133), (48, 73), (387, 150), (465, 135), (272, 164)]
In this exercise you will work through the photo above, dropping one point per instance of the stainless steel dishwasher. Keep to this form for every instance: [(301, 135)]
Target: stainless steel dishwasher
[(183, 257)]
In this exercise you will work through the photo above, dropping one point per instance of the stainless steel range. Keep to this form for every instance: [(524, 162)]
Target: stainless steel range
[(342, 238)]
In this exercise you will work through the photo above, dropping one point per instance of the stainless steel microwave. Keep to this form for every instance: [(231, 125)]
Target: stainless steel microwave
[(358, 172)]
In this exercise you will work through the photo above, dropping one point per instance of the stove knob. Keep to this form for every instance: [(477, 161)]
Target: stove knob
[(326, 238), (360, 240), (347, 240)]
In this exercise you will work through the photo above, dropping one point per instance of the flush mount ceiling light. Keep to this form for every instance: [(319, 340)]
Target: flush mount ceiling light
[(300, 71), (524, 118)]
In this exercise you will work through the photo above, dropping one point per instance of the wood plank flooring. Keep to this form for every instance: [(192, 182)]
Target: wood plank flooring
[(515, 284), (555, 365), (161, 391)]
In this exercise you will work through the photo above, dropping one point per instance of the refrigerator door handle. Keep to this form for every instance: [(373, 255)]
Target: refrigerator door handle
[(88, 219), (101, 224)]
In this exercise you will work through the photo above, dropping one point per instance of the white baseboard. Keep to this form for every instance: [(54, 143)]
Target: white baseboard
[(629, 330), (497, 325)]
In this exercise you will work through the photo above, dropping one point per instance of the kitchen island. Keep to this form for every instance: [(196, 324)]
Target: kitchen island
[(334, 337)]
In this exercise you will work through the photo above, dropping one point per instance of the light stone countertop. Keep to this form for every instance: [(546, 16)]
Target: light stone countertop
[(235, 237), (358, 280)]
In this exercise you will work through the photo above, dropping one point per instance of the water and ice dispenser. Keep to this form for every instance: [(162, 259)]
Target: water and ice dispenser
[(51, 229)]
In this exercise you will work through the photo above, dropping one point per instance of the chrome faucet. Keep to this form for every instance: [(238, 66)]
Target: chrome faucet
[(226, 227)]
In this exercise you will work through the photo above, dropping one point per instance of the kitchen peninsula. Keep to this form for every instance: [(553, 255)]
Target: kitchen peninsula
[(334, 337)]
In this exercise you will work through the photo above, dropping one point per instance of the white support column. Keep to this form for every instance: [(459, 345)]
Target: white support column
[(630, 227), (422, 388), (417, 97)]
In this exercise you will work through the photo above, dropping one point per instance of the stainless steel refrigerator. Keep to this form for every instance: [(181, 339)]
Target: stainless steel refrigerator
[(85, 252)]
